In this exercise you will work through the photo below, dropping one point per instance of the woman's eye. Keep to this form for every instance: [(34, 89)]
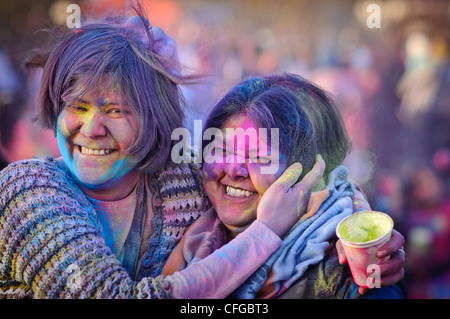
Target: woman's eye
[(256, 159), (114, 112), (78, 108), (264, 160)]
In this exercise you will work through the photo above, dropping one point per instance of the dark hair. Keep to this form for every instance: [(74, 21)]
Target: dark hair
[(82, 58), (308, 120)]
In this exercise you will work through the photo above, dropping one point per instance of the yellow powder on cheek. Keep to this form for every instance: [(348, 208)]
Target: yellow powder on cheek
[(86, 118), (63, 127)]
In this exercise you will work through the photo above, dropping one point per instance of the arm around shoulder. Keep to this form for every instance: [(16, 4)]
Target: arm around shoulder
[(51, 245)]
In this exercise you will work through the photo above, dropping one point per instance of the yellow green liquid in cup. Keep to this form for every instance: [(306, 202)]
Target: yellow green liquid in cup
[(364, 227)]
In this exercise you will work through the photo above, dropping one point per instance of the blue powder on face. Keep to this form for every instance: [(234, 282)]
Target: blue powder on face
[(115, 173)]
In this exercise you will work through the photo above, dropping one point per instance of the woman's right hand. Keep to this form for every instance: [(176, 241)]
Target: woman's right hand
[(285, 201), (162, 43)]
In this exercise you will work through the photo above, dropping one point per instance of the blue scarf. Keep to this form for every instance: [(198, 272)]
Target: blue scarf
[(306, 242)]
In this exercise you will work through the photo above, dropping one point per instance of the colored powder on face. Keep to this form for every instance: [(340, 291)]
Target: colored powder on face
[(119, 169), (360, 228), (62, 127)]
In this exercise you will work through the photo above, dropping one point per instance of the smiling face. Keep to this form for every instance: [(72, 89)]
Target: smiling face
[(235, 188), (93, 136)]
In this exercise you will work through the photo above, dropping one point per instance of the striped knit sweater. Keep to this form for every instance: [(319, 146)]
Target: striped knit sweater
[(50, 238)]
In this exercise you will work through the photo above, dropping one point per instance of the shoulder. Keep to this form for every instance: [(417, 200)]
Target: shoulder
[(40, 175), (38, 162), (41, 168), (37, 190), (207, 228), (174, 171), (201, 239), (27, 173), (39, 165), (182, 181)]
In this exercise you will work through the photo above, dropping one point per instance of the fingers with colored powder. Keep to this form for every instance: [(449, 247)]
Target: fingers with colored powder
[(290, 176), (313, 177), (307, 184), (288, 198)]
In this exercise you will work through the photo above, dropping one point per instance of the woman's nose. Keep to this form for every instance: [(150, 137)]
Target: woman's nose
[(236, 170), (94, 126)]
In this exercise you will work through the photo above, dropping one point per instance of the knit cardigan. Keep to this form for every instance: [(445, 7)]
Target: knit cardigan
[(51, 243)]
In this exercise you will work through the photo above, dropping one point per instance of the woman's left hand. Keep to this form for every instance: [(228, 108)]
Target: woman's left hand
[(288, 196), (391, 271)]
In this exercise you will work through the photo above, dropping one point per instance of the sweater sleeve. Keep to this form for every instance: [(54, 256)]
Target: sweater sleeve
[(220, 273), (51, 245)]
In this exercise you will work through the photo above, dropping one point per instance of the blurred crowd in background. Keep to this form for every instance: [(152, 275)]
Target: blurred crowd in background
[(391, 83)]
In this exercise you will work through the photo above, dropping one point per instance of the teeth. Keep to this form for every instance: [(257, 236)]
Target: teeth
[(237, 192), (89, 151)]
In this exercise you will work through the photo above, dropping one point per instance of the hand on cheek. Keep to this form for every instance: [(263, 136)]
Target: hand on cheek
[(285, 201)]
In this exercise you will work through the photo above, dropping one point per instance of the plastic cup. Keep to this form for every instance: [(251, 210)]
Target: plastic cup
[(362, 234)]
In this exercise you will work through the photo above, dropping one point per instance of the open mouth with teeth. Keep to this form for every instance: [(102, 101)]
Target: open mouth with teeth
[(98, 152), (238, 192)]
